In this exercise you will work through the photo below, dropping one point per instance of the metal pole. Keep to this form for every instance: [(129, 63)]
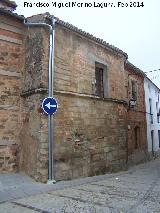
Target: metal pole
[(50, 117), (52, 121), (50, 164), (49, 149), (50, 93)]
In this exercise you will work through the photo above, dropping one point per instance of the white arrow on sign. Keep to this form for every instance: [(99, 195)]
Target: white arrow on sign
[(49, 105)]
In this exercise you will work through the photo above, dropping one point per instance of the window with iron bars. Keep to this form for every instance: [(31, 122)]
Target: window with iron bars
[(101, 80)]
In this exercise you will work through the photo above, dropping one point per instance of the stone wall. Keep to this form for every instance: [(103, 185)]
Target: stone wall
[(36, 59), (33, 153), (32, 148), (90, 137), (90, 133), (11, 65), (75, 58)]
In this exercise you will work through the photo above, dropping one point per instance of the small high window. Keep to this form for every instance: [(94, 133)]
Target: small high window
[(150, 111), (150, 105), (152, 141), (159, 137), (101, 80), (134, 89), (158, 112)]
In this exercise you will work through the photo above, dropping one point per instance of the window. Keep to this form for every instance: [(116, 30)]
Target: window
[(134, 89), (101, 80), (152, 140), (150, 110), (157, 106), (158, 115), (150, 105), (159, 137)]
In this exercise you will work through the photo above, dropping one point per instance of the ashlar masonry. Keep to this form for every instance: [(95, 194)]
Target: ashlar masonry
[(90, 135)]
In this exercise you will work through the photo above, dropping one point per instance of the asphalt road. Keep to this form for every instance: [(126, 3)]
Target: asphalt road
[(133, 191)]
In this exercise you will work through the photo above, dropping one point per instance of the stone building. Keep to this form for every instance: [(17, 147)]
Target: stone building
[(11, 66), (90, 134), (90, 126), (136, 116)]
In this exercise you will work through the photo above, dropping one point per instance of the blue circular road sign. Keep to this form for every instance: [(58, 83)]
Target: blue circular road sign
[(49, 105)]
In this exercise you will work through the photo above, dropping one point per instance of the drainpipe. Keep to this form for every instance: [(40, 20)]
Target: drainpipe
[(51, 29)]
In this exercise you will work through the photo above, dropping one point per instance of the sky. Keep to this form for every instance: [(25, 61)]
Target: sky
[(135, 30)]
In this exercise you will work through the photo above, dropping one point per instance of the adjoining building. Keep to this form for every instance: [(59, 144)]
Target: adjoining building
[(11, 67), (136, 117), (96, 130), (152, 99)]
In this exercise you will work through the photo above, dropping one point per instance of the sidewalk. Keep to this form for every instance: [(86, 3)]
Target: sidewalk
[(134, 191), (14, 186)]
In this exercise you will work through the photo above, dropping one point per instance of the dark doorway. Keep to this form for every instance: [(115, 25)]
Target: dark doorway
[(137, 137)]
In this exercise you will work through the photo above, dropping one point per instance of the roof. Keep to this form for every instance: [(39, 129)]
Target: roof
[(79, 31), (41, 17), (8, 12), (134, 68), (90, 36), (152, 83), (11, 4), (137, 70)]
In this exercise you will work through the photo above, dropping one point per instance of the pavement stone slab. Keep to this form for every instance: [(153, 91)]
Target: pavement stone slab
[(12, 208), (134, 191), (60, 204)]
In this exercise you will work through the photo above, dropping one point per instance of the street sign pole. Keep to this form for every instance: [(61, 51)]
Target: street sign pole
[(50, 148), (49, 106), (50, 117)]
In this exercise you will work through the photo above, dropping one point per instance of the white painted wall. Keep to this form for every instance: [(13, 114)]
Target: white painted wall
[(152, 92)]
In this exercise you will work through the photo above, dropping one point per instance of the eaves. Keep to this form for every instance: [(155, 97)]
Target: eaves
[(10, 3), (7, 12), (134, 69), (110, 47), (152, 83)]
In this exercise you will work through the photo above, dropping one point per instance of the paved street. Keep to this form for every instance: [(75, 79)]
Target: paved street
[(133, 191)]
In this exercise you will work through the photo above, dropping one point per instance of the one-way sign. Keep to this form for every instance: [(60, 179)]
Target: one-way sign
[(49, 105)]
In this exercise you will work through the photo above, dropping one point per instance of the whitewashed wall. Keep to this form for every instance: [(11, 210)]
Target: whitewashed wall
[(151, 91)]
